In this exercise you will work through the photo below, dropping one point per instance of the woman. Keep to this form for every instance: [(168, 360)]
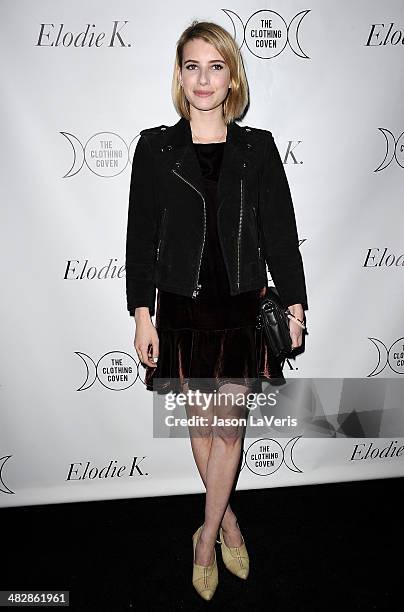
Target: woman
[(209, 208)]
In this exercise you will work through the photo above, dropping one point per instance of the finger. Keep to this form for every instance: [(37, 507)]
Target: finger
[(139, 353), (141, 350), (148, 356), (154, 352), (144, 356)]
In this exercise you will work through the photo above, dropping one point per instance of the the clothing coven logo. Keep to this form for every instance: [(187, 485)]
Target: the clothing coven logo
[(106, 154), (393, 356), (266, 456), (266, 33), (115, 370)]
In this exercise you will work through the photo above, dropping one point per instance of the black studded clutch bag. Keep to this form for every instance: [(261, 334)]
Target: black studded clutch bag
[(273, 320)]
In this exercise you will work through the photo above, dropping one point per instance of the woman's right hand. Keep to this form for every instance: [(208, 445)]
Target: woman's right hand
[(145, 336)]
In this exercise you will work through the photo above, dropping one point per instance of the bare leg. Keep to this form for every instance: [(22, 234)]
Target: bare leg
[(201, 447), (217, 454)]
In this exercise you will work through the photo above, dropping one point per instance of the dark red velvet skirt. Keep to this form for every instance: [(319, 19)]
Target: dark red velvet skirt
[(209, 341)]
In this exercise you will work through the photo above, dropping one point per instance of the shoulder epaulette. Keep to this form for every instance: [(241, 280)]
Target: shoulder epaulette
[(154, 129)]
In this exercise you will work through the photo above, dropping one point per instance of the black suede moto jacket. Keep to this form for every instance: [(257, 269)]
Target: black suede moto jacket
[(166, 225)]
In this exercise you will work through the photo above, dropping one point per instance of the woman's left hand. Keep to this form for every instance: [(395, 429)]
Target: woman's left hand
[(296, 332)]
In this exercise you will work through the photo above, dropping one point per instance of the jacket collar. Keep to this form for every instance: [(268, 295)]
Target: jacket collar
[(181, 157), (180, 133)]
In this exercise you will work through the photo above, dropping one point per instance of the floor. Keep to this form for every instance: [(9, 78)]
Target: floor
[(318, 547)]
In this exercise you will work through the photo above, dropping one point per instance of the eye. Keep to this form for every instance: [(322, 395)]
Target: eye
[(192, 66)]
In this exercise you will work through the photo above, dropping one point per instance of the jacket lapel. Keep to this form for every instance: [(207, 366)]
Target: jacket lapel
[(181, 157)]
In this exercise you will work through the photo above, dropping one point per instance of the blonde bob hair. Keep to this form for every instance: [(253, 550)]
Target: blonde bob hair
[(236, 101)]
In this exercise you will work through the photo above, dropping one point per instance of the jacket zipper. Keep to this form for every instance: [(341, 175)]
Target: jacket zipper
[(239, 233), (258, 239), (197, 285), (161, 233)]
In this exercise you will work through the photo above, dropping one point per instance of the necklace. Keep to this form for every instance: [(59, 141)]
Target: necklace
[(218, 140)]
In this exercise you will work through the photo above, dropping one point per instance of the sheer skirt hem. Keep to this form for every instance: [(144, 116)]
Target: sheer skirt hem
[(208, 359)]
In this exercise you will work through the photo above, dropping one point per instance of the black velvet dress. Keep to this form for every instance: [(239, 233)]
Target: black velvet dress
[(212, 339)]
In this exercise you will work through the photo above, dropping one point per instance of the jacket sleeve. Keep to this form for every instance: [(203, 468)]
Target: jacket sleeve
[(141, 231), (281, 244)]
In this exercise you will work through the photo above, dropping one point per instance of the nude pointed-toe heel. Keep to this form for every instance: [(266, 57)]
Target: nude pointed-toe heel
[(204, 577), (235, 558)]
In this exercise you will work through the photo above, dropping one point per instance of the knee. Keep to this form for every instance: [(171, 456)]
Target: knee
[(203, 434), (228, 438)]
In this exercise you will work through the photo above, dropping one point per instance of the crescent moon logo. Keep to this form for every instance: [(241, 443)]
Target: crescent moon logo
[(382, 356), (3, 487), (106, 154), (265, 456), (293, 32), (288, 456), (390, 149), (78, 154), (91, 371), (238, 27), (266, 33), (116, 370), (394, 356), (394, 149)]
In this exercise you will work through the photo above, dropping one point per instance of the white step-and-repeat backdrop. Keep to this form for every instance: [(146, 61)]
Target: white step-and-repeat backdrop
[(79, 81)]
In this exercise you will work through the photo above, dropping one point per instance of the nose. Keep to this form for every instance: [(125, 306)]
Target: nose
[(203, 76)]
